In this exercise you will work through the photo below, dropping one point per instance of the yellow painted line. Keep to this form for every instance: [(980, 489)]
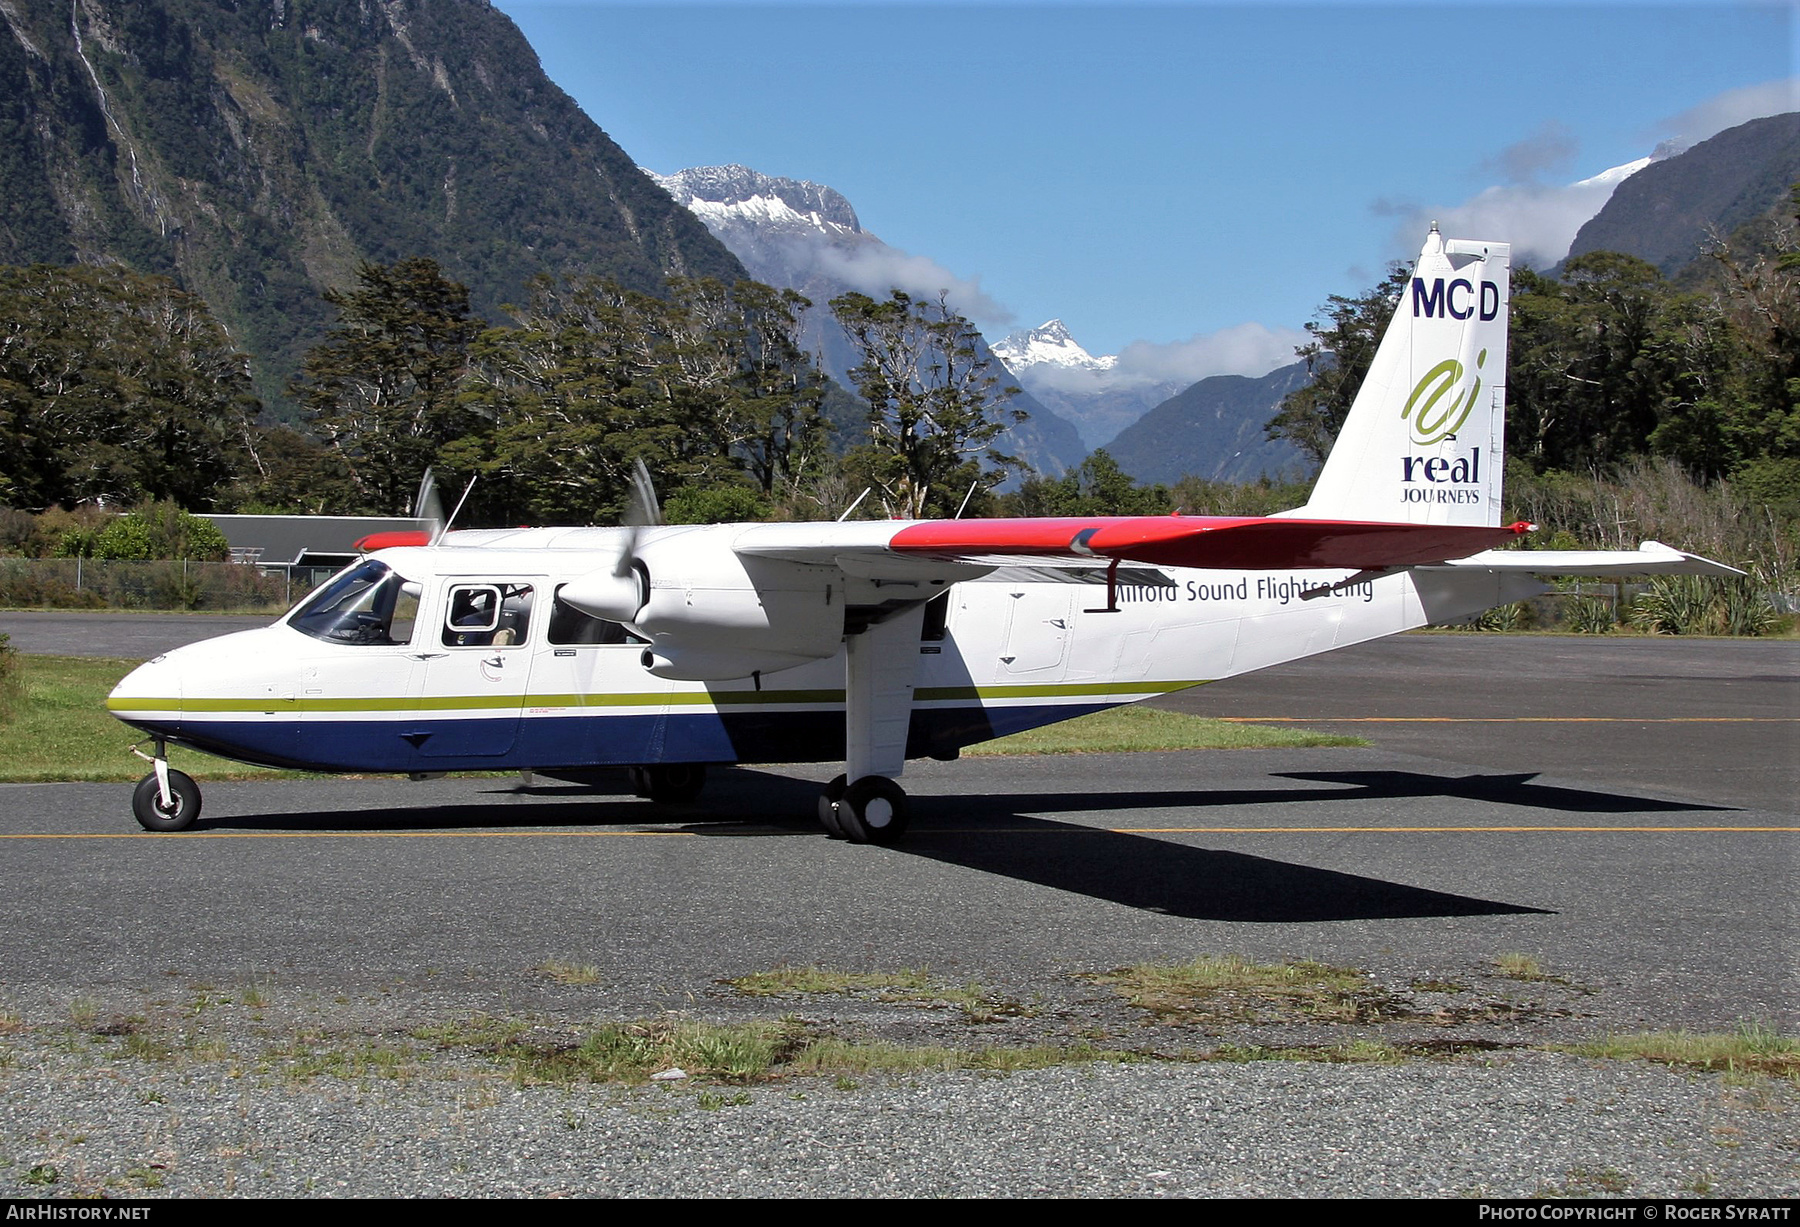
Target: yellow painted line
[(1509, 719), (1052, 690), (1504, 830), (1065, 830)]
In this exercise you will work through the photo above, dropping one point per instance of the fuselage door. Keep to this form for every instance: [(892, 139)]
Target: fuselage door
[(1037, 627), (476, 672)]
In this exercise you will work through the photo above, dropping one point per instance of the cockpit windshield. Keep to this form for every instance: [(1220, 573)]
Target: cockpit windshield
[(368, 604)]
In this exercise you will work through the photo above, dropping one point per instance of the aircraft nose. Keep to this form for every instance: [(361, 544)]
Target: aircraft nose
[(149, 696)]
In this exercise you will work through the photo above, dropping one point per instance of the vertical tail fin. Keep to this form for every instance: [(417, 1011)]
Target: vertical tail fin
[(1425, 441)]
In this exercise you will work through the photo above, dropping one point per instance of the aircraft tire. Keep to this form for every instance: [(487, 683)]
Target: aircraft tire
[(828, 808), (148, 809), (674, 783), (873, 811)]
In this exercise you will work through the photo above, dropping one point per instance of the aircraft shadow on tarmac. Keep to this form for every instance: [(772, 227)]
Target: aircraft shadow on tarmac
[(1516, 789), (1173, 879), (1007, 835), (1178, 879)]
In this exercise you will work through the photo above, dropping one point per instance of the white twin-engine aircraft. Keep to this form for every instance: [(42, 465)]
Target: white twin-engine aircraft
[(557, 651)]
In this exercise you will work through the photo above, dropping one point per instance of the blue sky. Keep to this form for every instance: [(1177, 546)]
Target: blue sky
[(1177, 173)]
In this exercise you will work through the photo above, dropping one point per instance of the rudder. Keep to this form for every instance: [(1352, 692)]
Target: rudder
[(1425, 440)]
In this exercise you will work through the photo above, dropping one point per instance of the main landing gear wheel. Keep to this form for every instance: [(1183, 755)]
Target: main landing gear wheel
[(184, 803), (669, 783), (873, 811), (828, 808)]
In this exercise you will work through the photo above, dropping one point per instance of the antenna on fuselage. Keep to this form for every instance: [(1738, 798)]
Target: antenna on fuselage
[(853, 506), (454, 514)]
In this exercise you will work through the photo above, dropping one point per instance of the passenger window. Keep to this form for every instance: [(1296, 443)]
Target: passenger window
[(569, 626), (488, 615)]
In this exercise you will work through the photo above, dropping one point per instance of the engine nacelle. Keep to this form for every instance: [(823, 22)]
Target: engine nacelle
[(711, 615), (680, 664)]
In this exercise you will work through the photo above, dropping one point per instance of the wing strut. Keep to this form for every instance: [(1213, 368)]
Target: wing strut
[(1112, 589)]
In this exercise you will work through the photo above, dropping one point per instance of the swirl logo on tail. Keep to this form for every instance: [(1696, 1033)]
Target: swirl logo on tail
[(1435, 423)]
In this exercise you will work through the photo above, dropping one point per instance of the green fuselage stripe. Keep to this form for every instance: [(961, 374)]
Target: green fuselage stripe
[(687, 698)]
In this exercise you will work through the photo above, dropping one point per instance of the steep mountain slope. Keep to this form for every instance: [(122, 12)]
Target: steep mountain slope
[(806, 237), (1213, 429), (259, 149), (1666, 212)]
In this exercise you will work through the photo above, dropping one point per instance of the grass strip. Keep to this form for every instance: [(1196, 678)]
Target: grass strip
[(60, 729), (1122, 730), (1751, 1049)]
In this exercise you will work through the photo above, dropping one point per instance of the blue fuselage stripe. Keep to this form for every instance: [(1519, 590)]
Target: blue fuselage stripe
[(548, 742)]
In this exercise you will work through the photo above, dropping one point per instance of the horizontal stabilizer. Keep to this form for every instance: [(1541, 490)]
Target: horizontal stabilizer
[(1650, 558)]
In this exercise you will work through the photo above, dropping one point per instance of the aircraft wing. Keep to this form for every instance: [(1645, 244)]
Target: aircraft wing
[(1206, 542)]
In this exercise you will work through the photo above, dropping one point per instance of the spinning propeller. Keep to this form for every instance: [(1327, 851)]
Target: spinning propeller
[(619, 592)]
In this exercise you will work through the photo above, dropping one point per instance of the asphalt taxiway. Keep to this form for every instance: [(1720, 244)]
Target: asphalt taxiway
[(1625, 812), (1548, 840)]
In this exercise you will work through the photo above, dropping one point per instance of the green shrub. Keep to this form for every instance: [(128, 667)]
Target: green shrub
[(1589, 615), (1702, 605), (715, 505), (157, 530), (1514, 617)]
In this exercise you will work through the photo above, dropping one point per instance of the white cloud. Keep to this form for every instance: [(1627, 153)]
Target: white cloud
[(874, 268), (1242, 349), (1732, 108), (1545, 150), (1540, 220)]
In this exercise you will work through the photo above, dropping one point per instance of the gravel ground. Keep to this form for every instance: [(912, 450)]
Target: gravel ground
[(210, 1094)]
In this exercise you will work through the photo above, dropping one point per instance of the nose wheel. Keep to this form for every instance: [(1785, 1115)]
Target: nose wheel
[(166, 799), (175, 811)]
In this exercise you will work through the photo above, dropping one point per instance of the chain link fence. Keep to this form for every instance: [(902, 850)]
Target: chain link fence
[(88, 583)]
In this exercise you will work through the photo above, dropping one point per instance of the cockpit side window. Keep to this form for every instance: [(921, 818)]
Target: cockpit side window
[(370, 604)]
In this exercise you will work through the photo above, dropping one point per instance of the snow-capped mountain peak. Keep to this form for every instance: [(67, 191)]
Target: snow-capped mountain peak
[(1614, 175), (1049, 345), (723, 195)]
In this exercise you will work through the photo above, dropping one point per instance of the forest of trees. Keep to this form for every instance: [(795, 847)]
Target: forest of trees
[(1626, 392), (1612, 364), (117, 388)]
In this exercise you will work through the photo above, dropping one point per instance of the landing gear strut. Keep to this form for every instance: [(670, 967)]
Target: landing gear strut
[(864, 805), (166, 799), (829, 800)]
